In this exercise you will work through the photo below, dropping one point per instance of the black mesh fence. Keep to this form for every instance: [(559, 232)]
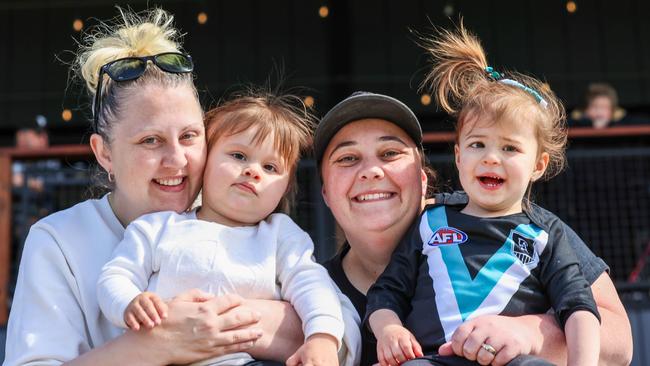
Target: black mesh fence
[(39, 189), (604, 195)]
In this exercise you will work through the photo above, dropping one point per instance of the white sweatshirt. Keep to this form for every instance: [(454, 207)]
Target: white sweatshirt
[(169, 253), (55, 316)]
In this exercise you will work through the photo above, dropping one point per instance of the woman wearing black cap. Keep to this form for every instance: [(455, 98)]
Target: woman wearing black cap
[(371, 161)]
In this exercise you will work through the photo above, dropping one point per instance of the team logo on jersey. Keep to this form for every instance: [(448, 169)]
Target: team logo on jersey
[(524, 249), (447, 236)]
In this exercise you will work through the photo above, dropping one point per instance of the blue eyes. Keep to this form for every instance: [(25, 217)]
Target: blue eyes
[(241, 157), (238, 156)]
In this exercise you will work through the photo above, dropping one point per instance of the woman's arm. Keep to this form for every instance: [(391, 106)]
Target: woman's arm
[(198, 327), (281, 330), (615, 330), (540, 334), (47, 323)]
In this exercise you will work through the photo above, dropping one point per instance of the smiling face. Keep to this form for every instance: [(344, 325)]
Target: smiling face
[(496, 162), (157, 152), (244, 180), (372, 178)]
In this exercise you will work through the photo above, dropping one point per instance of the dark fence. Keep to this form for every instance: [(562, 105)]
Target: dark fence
[(604, 195), (40, 188)]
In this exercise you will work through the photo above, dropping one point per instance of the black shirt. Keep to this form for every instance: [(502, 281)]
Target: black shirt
[(592, 267), (452, 267), (335, 268)]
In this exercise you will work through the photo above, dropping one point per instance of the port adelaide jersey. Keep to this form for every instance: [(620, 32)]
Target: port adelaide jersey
[(452, 267)]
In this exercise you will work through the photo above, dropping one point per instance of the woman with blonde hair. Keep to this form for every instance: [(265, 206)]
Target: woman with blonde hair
[(149, 138)]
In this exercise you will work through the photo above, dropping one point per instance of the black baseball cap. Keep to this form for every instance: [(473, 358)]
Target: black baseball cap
[(363, 105)]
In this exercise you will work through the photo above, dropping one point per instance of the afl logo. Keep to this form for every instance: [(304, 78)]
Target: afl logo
[(447, 236)]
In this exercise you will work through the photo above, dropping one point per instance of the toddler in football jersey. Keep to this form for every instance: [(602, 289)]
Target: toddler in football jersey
[(492, 252)]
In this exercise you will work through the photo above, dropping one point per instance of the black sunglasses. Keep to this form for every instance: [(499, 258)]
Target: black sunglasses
[(131, 68)]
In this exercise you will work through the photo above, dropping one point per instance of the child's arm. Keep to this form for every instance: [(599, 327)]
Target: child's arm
[(394, 342), (395, 287), (319, 349), (308, 287), (126, 276), (571, 298), (582, 331), (389, 300)]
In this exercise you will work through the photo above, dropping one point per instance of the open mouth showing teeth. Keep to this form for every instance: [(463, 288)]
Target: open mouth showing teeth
[(491, 181), (169, 182), (373, 197)]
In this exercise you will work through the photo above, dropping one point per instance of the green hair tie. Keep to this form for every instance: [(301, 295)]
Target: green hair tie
[(493, 74), (496, 76), (529, 90)]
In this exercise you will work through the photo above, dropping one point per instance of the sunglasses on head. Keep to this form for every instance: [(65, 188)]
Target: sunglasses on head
[(131, 68)]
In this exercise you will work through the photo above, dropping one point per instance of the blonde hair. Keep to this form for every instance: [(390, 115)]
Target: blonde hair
[(283, 115), (130, 34), (464, 88)]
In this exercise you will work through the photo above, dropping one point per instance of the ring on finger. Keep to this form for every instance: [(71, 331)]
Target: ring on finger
[(489, 348)]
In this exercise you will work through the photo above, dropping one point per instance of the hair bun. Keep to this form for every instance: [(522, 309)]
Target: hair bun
[(131, 34)]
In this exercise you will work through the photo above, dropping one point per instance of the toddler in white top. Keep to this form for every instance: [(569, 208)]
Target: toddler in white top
[(238, 241)]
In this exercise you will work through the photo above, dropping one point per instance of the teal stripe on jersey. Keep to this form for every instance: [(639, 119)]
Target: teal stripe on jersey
[(470, 293)]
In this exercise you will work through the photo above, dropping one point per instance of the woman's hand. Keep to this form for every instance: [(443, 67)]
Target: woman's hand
[(508, 336), (200, 326)]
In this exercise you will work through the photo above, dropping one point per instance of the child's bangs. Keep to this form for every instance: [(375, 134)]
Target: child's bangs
[(286, 139), (496, 103)]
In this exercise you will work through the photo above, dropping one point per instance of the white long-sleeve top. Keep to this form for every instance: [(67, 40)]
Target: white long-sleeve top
[(55, 316), (168, 253)]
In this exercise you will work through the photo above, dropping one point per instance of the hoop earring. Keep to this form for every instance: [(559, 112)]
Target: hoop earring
[(111, 177)]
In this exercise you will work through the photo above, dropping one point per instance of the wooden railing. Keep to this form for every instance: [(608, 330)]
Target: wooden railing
[(7, 157), (574, 132)]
